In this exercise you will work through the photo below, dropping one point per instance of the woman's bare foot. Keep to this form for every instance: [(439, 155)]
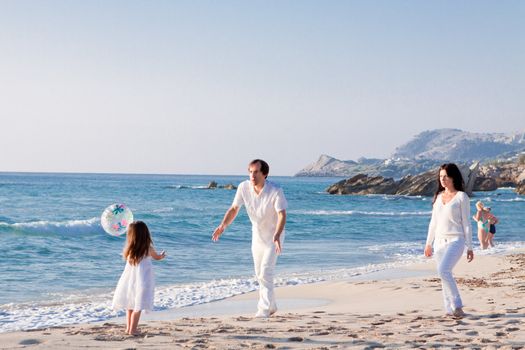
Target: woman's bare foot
[(458, 313)]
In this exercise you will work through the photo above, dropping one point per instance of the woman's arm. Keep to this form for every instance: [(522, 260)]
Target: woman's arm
[(431, 234), (465, 215)]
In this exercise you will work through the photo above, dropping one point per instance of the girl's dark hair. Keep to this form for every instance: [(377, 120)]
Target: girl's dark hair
[(453, 172), (265, 168), (138, 242)]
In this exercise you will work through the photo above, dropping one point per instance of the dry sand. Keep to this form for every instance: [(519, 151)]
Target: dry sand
[(385, 313)]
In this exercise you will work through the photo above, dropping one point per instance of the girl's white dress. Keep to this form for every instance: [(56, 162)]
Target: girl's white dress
[(135, 288)]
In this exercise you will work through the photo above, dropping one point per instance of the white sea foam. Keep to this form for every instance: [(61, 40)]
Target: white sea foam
[(184, 187), (495, 199), (361, 213), (517, 199), (163, 210), (391, 197), (60, 227)]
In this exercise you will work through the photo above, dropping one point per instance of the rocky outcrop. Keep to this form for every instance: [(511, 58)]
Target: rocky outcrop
[(469, 176), (483, 183), (424, 184), (419, 185), (520, 188), (506, 174), (213, 185), (363, 184)]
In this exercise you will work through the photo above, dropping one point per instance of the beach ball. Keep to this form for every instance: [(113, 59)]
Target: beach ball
[(116, 218)]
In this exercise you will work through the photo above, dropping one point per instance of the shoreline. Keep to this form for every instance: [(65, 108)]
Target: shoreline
[(384, 311)]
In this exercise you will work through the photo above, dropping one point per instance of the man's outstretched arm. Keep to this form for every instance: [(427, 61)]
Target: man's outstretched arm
[(226, 221)]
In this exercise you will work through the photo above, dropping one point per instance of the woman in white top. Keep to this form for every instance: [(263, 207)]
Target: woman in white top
[(450, 231)]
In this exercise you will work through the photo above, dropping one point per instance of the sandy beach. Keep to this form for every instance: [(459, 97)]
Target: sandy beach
[(362, 314)]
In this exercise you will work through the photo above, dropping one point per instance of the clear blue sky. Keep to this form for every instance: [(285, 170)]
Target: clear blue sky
[(202, 87)]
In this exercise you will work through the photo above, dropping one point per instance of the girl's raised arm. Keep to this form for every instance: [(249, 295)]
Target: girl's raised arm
[(154, 255)]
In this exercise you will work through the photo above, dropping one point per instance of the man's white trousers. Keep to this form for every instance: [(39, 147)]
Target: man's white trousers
[(264, 260)]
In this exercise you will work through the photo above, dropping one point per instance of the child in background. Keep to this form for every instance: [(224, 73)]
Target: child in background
[(135, 288), (493, 220)]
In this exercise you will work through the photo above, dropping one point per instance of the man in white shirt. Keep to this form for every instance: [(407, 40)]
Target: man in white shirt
[(266, 207)]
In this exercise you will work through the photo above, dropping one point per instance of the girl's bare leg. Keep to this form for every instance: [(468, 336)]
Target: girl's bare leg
[(135, 316), (128, 320)]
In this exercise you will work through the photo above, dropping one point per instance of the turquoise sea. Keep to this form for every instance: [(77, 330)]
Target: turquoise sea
[(59, 267)]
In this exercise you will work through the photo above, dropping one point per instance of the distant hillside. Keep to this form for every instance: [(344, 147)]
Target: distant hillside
[(424, 152), (329, 166), (460, 146)]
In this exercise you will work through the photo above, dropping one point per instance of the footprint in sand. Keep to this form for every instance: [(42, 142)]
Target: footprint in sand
[(183, 340), (429, 335), (512, 322), (296, 339), (242, 318), (29, 342), (512, 329), (319, 334)]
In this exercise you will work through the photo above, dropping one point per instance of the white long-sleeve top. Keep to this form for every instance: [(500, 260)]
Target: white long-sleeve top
[(451, 220)]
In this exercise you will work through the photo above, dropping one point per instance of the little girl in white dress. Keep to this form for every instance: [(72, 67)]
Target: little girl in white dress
[(135, 288)]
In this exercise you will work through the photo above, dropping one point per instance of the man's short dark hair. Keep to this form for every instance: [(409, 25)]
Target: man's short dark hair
[(265, 168)]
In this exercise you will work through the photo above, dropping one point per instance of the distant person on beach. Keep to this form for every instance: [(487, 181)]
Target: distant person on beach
[(486, 225), (481, 217), (266, 206), (135, 288), (493, 220), (450, 231)]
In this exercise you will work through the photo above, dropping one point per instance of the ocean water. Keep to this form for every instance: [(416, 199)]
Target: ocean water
[(59, 267)]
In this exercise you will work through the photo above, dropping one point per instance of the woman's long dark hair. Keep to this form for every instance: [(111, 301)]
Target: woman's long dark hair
[(453, 172)]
